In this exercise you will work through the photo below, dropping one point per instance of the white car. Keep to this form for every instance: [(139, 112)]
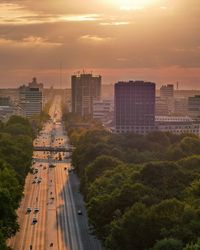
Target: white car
[(36, 210), (28, 210)]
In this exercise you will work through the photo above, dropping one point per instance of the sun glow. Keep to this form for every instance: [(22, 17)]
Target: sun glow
[(133, 4)]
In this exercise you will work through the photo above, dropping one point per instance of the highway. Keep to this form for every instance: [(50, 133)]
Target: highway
[(52, 213)]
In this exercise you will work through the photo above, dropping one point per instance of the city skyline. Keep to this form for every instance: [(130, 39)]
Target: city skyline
[(152, 40)]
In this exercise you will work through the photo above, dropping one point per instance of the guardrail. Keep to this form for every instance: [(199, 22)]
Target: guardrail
[(53, 149)]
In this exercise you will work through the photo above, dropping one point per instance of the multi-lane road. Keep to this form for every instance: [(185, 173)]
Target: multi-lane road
[(52, 213)]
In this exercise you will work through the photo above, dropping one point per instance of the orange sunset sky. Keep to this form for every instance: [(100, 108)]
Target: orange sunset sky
[(156, 40)]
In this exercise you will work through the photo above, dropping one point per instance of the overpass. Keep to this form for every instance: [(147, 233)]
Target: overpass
[(53, 149)]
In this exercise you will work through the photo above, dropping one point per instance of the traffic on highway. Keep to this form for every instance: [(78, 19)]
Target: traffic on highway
[(52, 214)]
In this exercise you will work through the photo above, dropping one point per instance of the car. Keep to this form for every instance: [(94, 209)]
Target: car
[(28, 210), (36, 210), (34, 221), (79, 212), (52, 166)]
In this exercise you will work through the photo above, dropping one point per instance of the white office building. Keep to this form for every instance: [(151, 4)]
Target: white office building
[(31, 98), (177, 125)]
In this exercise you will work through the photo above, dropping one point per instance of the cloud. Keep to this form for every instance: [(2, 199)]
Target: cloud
[(17, 14), (114, 23), (94, 38), (30, 41), (96, 34)]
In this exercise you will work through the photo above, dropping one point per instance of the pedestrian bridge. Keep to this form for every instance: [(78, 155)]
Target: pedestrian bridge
[(53, 149)]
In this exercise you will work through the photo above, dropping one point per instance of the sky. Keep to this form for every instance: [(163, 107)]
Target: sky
[(151, 40)]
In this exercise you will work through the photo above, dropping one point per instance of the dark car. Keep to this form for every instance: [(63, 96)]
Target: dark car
[(79, 212), (34, 221)]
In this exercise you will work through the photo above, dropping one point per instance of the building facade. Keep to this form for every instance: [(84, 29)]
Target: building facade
[(31, 98), (86, 89), (194, 106), (181, 106), (177, 125), (103, 110), (134, 107), (167, 91)]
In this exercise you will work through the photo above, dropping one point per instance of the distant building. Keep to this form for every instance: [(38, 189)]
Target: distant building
[(177, 125), (11, 93), (31, 98), (86, 88), (103, 110), (9, 108), (5, 101), (181, 106), (194, 106), (167, 91), (162, 107), (134, 107)]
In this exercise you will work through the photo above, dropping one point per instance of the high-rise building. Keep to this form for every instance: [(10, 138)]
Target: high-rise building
[(134, 107), (31, 98), (86, 88)]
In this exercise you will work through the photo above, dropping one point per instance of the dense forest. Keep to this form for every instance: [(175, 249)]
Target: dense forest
[(16, 140), (141, 192)]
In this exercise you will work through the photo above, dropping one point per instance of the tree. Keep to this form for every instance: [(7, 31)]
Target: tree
[(133, 230), (99, 165), (193, 246), (168, 244)]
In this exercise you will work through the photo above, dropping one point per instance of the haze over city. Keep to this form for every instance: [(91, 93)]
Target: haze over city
[(154, 40)]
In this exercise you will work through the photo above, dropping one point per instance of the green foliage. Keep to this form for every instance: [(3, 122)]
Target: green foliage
[(98, 166), (162, 177), (16, 138), (141, 192), (193, 246), (168, 244)]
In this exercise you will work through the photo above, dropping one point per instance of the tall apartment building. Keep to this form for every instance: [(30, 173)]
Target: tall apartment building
[(31, 98), (194, 106), (134, 107), (86, 88)]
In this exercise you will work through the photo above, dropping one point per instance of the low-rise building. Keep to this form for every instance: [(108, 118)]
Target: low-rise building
[(8, 108), (103, 110), (177, 125), (194, 106), (181, 106)]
